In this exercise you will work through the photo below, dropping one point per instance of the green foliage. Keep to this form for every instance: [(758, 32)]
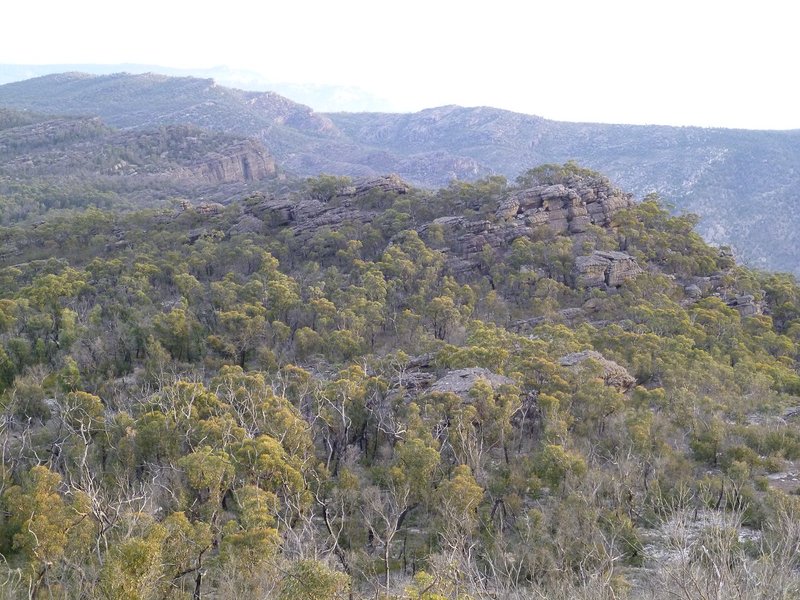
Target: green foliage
[(258, 414), (550, 174), (42, 529), (313, 580), (134, 569)]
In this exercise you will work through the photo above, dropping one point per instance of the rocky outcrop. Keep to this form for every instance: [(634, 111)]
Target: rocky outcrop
[(246, 161), (605, 268), (209, 208), (305, 216), (387, 184), (467, 237), (461, 381), (614, 374), (746, 305), (566, 208), (247, 224)]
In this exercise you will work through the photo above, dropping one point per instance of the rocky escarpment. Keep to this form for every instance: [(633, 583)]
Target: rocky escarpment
[(54, 148)]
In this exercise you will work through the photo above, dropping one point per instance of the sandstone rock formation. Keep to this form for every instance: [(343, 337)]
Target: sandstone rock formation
[(245, 161), (305, 216), (209, 208), (566, 208), (746, 305), (605, 268), (614, 374), (461, 381), (386, 184)]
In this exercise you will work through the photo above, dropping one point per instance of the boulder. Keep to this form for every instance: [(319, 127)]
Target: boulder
[(603, 267), (623, 267), (746, 305), (614, 374), (693, 291), (386, 183), (590, 271), (461, 381), (247, 224)]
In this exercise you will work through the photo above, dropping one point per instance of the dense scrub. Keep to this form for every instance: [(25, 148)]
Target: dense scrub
[(188, 411)]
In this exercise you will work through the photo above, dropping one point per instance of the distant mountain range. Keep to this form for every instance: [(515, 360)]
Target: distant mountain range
[(321, 96), (744, 184)]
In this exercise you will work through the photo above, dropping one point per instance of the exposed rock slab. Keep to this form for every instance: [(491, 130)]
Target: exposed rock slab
[(386, 184)]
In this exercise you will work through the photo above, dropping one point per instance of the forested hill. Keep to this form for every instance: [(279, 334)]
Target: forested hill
[(743, 184), (49, 163), (360, 388)]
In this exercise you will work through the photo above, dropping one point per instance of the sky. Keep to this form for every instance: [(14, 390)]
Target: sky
[(702, 62)]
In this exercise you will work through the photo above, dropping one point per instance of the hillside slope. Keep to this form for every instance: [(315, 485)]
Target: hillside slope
[(62, 162), (359, 388)]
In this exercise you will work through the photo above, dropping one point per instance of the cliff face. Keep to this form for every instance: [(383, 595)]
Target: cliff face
[(242, 162)]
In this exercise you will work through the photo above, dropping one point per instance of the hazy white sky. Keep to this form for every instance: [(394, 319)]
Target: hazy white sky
[(677, 62)]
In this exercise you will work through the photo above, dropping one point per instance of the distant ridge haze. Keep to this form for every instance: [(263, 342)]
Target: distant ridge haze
[(323, 97), (331, 98)]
